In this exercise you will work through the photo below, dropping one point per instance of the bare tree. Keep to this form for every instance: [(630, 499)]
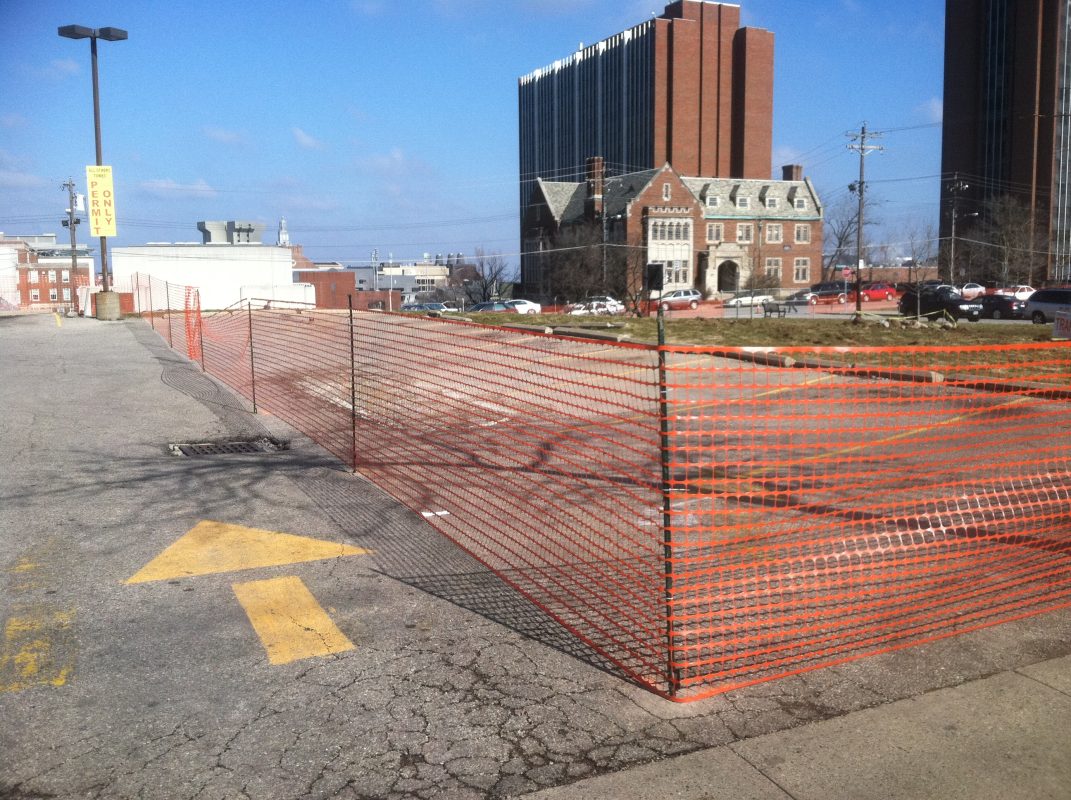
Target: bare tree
[(484, 279), (576, 261), (840, 232), (1013, 246)]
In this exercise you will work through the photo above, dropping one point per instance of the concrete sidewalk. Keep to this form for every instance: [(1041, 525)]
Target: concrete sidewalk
[(455, 688), (1006, 737)]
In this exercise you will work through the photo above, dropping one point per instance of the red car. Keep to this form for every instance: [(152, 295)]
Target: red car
[(874, 290)]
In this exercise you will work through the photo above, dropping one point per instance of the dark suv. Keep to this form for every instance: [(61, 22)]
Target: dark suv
[(830, 292), (933, 301)]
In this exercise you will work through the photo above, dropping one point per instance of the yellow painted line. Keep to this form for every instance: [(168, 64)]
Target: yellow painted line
[(59, 319), (214, 547), (37, 649), (290, 623)]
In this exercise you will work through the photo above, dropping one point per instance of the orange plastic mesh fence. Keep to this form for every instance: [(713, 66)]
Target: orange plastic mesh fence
[(830, 503), (702, 518)]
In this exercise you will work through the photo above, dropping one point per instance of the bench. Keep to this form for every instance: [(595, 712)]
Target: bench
[(773, 309)]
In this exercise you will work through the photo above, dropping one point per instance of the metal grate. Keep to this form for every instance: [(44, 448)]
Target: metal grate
[(196, 449)]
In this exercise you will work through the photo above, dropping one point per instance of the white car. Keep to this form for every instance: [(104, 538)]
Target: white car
[(524, 306), (591, 309), (607, 303), (1018, 292), (748, 299), (972, 290)]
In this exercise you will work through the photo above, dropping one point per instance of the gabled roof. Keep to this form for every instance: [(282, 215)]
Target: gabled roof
[(565, 200)]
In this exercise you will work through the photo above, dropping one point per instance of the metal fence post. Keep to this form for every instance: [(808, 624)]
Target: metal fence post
[(201, 331), (672, 673), (252, 362), (167, 296), (353, 385)]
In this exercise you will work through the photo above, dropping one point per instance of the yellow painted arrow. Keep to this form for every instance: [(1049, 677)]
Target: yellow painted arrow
[(290, 623), (213, 547)]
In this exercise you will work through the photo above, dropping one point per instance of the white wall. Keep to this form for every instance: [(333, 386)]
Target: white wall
[(219, 271)]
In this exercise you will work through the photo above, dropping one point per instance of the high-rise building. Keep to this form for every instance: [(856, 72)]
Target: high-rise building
[(1007, 124), (690, 88)]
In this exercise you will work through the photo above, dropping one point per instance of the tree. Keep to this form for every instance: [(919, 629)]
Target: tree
[(576, 262), (840, 232), (1013, 246), (485, 278)]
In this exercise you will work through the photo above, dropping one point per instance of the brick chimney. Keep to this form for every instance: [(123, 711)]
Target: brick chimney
[(596, 177), (792, 172)]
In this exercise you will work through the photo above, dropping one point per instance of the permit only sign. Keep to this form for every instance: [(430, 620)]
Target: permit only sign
[(100, 201), (1061, 328)]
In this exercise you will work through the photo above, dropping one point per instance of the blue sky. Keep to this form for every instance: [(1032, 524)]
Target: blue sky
[(392, 126)]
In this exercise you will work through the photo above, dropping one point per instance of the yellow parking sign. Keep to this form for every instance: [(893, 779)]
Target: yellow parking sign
[(100, 201)]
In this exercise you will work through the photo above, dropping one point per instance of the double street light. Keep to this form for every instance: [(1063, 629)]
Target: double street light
[(108, 35)]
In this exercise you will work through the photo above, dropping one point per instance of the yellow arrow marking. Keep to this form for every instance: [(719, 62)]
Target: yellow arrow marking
[(290, 623), (213, 547)]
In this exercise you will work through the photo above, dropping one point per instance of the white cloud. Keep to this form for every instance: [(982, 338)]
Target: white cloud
[(58, 69), (13, 179), (933, 109), (223, 135), (166, 187), (307, 141)]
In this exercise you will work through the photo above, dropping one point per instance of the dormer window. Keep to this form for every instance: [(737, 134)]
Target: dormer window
[(743, 202), (772, 202), (801, 204), (713, 201)]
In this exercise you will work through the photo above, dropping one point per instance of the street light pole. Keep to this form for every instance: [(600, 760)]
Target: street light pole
[(109, 35)]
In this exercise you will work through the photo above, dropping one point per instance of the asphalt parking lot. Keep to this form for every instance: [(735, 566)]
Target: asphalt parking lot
[(142, 657)]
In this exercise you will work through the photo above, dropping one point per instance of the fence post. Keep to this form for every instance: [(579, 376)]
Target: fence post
[(672, 673), (201, 331), (152, 308), (167, 297), (353, 385), (252, 362)]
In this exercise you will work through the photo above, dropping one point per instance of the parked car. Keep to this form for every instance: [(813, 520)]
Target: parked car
[(1000, 306), (524, 306), (873, 290), (831, 292), (1022, 292), (942, 299), (493, 305), (801, 298), (680, 298), (414, 307), (972, 290), (1044, 303), (593, 309), (748, 298), (613, 306)]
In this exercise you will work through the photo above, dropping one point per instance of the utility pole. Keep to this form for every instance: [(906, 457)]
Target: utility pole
[(72, 222), (860, 146), (955, 188)]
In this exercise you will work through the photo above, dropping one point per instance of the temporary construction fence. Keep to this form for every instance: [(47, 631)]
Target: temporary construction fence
[(704, 518)]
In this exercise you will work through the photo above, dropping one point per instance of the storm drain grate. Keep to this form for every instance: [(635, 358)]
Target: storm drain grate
[(196, 449)]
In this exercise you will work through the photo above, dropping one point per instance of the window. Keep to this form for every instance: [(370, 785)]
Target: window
[(35, 295), (801, 272), (33, 276), (713, 201), (803, 234), (773, 233), (772, 202), (772, 267), (800, 203), (52, 276), (744, 232), (66, 295), (743, 202), (65, 276), (53, 295), (667, 193), (715, 231)]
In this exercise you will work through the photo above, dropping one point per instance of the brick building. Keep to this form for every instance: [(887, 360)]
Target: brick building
[(689, 88), (37, 274), (714, 234)]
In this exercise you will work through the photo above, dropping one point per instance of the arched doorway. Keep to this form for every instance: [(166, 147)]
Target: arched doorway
[(728, 276)]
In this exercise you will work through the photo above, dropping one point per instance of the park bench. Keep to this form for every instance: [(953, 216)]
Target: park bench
[(774, 309)]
